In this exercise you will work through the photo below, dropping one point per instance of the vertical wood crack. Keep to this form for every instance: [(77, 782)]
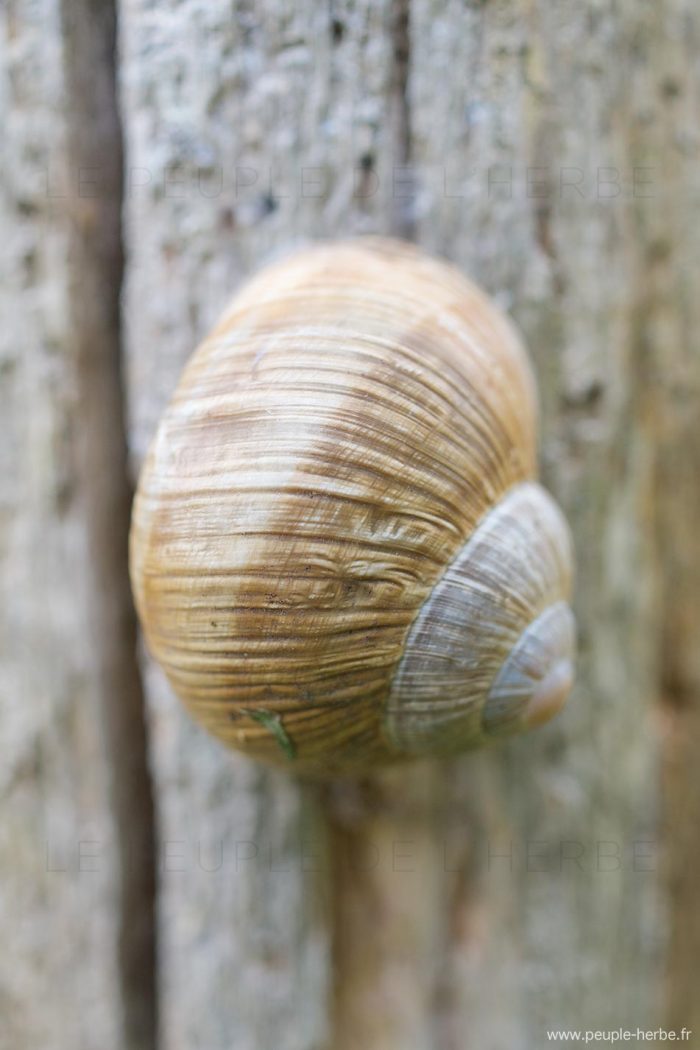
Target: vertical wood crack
[(404, 187), (95, 273)]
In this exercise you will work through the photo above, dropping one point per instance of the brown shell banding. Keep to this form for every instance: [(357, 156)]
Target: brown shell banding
[(329, 449), (514, 566)]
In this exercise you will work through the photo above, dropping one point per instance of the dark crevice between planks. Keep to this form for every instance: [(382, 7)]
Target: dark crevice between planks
[(96, 267), (404, 189)]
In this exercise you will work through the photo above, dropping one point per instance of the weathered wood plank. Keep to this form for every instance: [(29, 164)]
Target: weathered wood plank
[(539, 106), (249, 128), (75, 909), (665, 136), (531, 131)]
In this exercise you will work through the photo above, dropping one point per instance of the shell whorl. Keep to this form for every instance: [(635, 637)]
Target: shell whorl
[(493, 628), (331, 447)]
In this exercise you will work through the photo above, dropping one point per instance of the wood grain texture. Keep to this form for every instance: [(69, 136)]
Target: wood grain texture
[(75, 849), (249, 129), (545, 103), (552, 152), (532, 146), (536, 921), (664, 135)]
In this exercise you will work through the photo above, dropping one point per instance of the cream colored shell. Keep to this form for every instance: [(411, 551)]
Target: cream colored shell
[(338, 547)]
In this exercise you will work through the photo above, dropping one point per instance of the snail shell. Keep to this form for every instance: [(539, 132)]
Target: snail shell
[(339, 553)]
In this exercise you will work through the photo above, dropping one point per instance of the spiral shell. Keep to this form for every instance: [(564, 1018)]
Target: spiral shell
[(339, 552)]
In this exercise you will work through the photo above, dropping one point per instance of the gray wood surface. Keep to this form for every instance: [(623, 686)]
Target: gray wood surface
[(222, 172), (552, 152), (76, 847)]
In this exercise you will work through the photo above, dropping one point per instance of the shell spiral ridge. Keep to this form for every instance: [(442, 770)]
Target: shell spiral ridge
[(357, 414)]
